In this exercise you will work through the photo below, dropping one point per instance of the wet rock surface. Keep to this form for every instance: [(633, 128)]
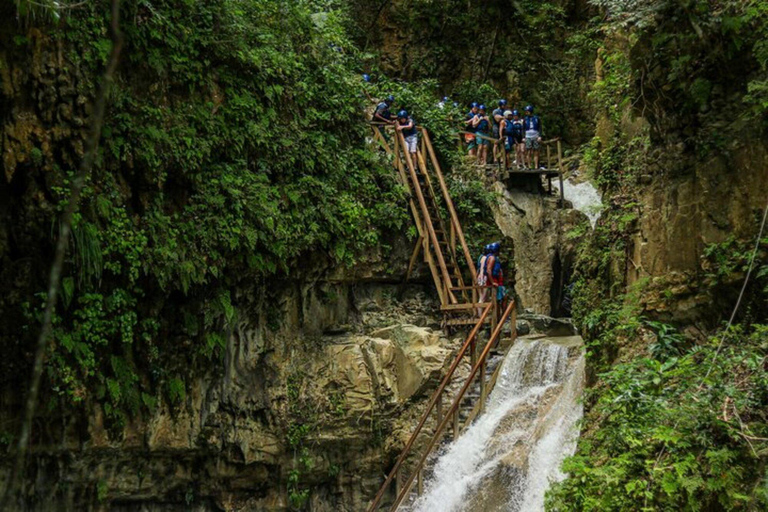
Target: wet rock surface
[(543, 255)]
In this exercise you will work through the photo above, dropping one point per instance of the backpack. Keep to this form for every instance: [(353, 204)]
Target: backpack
[(482, 277)]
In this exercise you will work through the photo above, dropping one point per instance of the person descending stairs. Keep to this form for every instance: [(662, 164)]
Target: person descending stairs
[(441, 242)]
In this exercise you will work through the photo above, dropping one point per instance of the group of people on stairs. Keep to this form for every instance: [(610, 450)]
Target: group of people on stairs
[(519, 136), (516, 140), (490, 275), (510, 134)]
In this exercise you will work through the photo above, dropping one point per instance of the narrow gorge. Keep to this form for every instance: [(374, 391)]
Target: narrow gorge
[(265, 303)]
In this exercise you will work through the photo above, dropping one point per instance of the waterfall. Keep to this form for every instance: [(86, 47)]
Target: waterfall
[(585, 198), (506, 459)]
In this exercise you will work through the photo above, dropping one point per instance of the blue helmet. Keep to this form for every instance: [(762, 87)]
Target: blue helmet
[(473, 104), (487, 249), (402, 114), (502, 103), (482, 107), (366, 77), (516, 113), (529, 108), (390, 99), (445, 99), (495, 247)]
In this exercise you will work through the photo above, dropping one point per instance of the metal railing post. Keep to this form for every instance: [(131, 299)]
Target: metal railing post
[(482, 386), (456, 432), (560, 172), (420, 485)]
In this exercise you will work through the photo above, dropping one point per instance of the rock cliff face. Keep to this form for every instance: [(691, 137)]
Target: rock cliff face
[(297, 408), (543, 252), (709, 203)]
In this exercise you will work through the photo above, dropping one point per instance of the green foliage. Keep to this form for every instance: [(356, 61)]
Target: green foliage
[(686, 433), (692, 58), (669, 342), (233, 148)]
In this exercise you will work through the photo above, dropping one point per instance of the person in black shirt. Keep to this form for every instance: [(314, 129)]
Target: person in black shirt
[(382, 115)]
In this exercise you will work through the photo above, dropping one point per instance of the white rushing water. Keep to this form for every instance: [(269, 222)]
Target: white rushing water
[(507, 458), (585, 198)]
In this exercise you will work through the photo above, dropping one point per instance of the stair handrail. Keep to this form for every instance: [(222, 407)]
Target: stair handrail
[(436, 397), (427, 218), (449, 205), (455, 405)]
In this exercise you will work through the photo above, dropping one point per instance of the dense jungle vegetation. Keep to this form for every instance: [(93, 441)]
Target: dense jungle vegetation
[(234, 151)]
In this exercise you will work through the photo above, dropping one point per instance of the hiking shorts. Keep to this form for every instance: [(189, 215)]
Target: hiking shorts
[(482, 142), (412, 141), (532, 143), (471, 141)]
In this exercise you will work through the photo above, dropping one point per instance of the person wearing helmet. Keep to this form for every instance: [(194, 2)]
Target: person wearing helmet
[(469, 121), (517, 138), (532, 127), (382, 116), (495, 273), (482, 278), (407, 126), (504, 136), (497, 116), (482, 131), (443, 102)]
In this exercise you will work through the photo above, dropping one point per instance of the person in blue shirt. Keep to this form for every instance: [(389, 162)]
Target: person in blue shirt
[(497, 116), (532, 128), (407, 126), (469, 123), (482, 131), (516, 138), (382, 115)]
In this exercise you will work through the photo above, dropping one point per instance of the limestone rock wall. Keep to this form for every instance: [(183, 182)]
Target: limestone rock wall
[(537, 229), (316, 408), (682, 215)]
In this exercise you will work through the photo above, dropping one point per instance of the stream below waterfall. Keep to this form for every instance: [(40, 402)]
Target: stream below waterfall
[(507, 458)]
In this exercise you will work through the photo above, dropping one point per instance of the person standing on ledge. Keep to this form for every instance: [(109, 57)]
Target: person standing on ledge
[(482, 128), (532, 127), (382, 115), (517, 139), (497, 116), (469, 123), (407, 126)]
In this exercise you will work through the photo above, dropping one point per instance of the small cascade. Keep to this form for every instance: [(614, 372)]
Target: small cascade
[(585, 198), (507, 458)]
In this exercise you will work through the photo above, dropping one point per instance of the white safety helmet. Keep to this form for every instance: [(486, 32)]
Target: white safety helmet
[(507, 113)]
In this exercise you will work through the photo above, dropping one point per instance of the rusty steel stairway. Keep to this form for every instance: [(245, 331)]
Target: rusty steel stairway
[(441, 240), (438, 239)]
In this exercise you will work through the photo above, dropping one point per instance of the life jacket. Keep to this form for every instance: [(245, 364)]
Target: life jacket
[(509, 128), (532, 123), (482, 126), (482, 276), (491, 263), (469, 127), (516, 128), (410, 131), (383, 110)]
